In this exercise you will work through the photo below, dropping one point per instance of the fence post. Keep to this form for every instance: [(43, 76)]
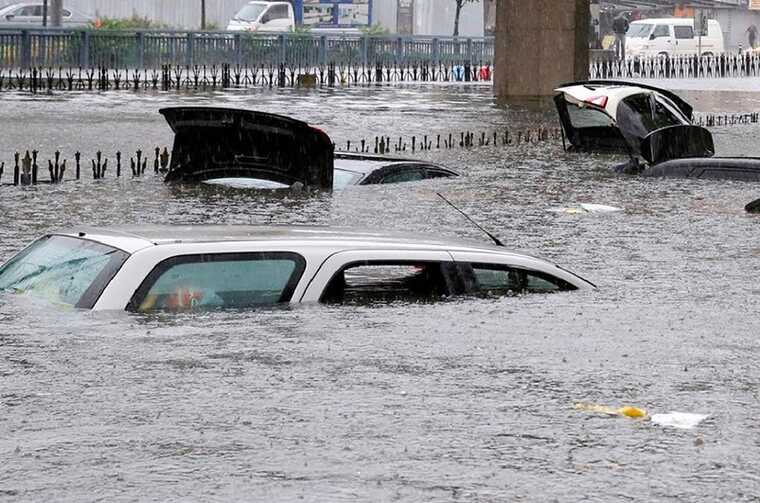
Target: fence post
[(238, 49), (189, 49), (400, 51), (323, 50), (436, 57), (365, 50), (469, 51), (26, 49), (281, 41), (84, 50), (140, 49)]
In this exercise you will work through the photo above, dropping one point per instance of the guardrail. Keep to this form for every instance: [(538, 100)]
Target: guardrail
[(53, 48)]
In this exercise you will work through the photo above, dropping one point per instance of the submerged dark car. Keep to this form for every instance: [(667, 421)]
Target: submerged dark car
[(648, 124), (249, 149)]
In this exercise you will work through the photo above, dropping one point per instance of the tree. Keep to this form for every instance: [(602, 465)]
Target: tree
[(459, 4)]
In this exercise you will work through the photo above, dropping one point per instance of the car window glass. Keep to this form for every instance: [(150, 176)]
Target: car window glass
[(372, 283), (586, 117), (343, 178), (640, 114), (683, 32), (432, 172), (250, 12), (27, 11), (661, 30), (219, 282), (278, 12), (404, 175), (495, 280), (639, 30), (59, 269)]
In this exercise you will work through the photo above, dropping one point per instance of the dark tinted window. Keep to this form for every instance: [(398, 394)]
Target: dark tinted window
[(497, 280), (404, 174), (684, 32), (640, 114), (661, 30), (220, 281), (433, 172), (384, 282)]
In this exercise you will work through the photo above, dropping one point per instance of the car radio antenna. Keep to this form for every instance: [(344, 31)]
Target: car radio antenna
[(473, 222)]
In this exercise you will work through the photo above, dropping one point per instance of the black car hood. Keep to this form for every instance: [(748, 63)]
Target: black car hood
[(212, 143)]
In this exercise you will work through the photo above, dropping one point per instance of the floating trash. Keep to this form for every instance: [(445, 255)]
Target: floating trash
[(588, 208), (681, 420)]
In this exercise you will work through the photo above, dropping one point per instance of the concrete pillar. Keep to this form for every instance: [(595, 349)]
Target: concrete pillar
[(540, 44)]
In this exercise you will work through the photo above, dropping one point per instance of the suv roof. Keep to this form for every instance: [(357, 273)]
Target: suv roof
[(134, 238)]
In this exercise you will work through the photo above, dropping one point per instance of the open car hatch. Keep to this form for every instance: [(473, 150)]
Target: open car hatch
[(212, 143)]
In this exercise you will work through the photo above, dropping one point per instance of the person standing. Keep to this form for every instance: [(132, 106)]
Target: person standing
[(620, 27)]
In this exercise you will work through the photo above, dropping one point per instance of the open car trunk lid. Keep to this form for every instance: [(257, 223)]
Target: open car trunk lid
[(211, 143)]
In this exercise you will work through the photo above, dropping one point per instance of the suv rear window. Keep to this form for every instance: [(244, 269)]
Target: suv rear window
[(63, 270)]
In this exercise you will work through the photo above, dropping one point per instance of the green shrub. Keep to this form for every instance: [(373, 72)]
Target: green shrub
[(131, 23)]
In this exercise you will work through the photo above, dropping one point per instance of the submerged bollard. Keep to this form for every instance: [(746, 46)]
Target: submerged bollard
[(34, 167), (16, 168), (118, 164), (26, 169), (77, 158), (164, 160), (156, 161), (2, 168)]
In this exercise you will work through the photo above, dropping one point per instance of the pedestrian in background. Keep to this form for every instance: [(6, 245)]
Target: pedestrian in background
[(620, 27)]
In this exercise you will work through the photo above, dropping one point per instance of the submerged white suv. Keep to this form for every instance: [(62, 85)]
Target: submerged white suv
[(170, 268)]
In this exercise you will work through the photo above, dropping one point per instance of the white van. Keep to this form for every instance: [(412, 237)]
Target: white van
[(264, 16), (671, 37)]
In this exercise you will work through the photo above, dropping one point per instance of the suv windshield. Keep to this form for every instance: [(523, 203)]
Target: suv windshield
[(62, 270), (250, 12), (639, 30)]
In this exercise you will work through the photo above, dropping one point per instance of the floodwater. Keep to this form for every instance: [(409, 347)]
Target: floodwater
[(458, 401)]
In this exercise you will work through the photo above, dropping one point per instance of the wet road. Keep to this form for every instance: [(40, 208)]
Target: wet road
[(469, 401)]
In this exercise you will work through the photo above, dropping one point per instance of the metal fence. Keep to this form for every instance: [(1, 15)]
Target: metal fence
[(24, 49), (679, 67)]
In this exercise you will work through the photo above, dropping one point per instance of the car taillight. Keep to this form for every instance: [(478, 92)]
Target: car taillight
[(597, 101)]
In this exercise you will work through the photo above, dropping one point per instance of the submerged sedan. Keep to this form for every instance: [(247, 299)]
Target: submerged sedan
[(648, 124), (169, 268)]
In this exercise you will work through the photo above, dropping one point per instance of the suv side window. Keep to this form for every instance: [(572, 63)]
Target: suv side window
[(661, 30), (219, 281), (501, 280), (372, 282), (684, 32)]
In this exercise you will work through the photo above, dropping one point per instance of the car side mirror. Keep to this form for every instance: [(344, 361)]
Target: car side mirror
[(265, 19), (10, 17), (652, 37)]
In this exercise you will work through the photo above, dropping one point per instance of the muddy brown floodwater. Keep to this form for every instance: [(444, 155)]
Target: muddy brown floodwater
[(461, 400)]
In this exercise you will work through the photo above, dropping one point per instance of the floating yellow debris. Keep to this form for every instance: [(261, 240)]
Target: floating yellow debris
[(627, 411)]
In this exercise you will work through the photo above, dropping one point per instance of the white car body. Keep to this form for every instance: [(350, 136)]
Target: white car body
[(321, 253), (269, 17), (672, 37)]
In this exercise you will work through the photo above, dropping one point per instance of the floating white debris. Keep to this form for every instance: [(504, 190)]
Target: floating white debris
[(683, 420), (588, 208)]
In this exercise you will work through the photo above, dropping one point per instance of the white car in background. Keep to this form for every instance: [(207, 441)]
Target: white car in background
[(262, 16), (172, 268), (672, 37), (29, 15)]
